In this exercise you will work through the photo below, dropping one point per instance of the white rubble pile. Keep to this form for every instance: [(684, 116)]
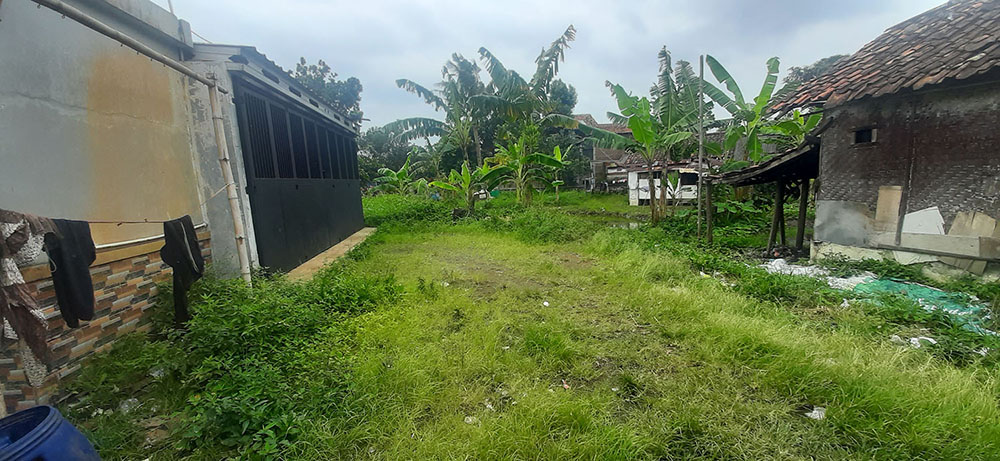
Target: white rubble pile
[(781, 266)]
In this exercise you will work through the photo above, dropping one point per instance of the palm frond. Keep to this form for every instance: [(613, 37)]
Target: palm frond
[(602, 138), (408, 129), (547, 62), (429, 96)]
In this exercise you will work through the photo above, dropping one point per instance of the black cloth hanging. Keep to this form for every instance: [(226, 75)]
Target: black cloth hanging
[(181, 252), (71, 253)]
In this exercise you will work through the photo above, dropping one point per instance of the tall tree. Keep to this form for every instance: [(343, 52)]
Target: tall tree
[(343, 94), (383, 148), (455, 96), (658, 125), (749, 117), (512, 98), (563, 97), (799, 74)]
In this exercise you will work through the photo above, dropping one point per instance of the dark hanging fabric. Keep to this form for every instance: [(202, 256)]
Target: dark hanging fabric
[(181, 252), (70, 255)]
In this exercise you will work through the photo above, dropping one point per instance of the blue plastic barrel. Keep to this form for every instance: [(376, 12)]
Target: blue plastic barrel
[(41, 433)]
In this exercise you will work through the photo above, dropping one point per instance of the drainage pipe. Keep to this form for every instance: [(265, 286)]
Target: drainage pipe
[(213, 93)]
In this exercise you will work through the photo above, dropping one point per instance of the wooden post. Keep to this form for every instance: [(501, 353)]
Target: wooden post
[(709, 208), (781, 218), (779, 199), (803, 204)]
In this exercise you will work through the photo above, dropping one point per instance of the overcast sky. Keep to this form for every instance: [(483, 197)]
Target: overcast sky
[(380, 41)]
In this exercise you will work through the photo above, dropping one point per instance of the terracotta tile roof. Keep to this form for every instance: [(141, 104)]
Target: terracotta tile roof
[(954, 41)]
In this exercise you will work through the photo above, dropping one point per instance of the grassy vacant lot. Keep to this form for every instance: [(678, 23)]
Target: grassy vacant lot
[(534, 334)]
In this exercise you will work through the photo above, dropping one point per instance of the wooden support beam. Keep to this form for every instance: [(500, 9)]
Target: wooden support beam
[(709, 209), (782, 220), (779, 199), (803, 205)]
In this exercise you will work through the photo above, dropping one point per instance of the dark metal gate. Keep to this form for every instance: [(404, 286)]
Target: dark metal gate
[(302, 177)]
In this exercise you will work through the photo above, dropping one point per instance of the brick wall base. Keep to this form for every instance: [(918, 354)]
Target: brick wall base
[(125, 280)]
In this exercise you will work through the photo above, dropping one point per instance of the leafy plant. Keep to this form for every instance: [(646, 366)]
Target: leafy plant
[(748, 116), (658, 127), (522, 168), (468, 183), (398, 181)]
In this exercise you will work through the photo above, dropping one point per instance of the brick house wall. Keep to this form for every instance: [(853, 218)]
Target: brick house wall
[(125, 287), (940, 146)]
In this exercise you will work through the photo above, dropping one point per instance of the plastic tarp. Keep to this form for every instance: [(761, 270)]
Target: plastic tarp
[(964, 310)]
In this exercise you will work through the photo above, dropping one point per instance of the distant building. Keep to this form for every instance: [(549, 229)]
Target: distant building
[(909, 166)]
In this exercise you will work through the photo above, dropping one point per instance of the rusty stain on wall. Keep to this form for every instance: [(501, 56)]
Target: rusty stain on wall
[(137, 139)]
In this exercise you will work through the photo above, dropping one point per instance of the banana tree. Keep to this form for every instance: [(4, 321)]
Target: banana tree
[(396, 181), (523, 168), (792, 131), (509, 96), (469, 182), (750, 120), (455, 96), (558, 156)]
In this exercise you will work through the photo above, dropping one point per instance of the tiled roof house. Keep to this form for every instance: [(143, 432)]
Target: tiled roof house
[(909, 163)]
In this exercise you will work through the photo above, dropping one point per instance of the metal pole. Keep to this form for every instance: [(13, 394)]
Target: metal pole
[(102, 28), (701, 133), (213, 95)]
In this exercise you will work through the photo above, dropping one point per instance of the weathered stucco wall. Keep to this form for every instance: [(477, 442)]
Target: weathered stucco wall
[(936, 152), (224, 254), (89, 129)]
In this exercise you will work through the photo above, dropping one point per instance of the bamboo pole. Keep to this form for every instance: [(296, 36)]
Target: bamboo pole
[(227, 176), (701, 136)]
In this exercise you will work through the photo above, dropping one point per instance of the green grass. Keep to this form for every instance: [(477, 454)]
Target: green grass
[(537, 334)]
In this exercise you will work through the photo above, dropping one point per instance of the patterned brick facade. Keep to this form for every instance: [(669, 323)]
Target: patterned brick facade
[(125, 280)]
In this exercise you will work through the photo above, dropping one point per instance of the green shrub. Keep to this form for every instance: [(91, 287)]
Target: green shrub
[(252, 362), (400, 209)]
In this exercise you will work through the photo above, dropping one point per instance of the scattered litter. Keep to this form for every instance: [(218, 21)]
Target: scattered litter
[(505, 347), (371, 450), (964, 309), (445, 284), (846, 303), (157, 373), (128, 405), (489, 406), (565, 386), (471, 420), (915, 342), (817, 413), (545, 303), (982, 351), (614, 389), (781, 266)]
